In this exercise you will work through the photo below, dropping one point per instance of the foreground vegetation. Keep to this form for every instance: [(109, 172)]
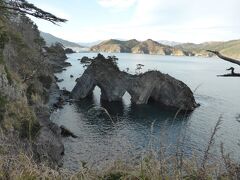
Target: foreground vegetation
[(17, 163)]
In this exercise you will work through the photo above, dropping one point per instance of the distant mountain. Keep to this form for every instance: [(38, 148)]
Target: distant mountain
[(228, 48), (140, 47), (169, 43), (50, 39), (89, 44)]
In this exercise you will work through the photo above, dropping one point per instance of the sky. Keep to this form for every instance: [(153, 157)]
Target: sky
[(174, 20)]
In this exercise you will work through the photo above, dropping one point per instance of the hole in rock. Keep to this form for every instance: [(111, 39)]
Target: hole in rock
[(97, 95), (126, 98)]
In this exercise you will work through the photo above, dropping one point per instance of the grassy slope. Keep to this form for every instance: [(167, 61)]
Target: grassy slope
[(229, 48)]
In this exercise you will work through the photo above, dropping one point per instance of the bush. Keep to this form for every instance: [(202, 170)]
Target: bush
[(3, 37), (22, 118), (3, 103)]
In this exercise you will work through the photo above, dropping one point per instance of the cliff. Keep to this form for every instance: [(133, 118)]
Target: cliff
[(26, 80)]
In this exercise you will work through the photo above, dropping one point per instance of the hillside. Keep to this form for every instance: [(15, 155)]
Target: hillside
[(133, 46), (115, 46), (228, 48), (89, 44), (26, 82), (50, 39)]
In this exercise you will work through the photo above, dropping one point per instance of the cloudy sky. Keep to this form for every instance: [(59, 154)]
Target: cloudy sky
[(175, 20)]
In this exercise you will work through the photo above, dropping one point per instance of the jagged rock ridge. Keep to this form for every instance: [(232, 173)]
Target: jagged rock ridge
[(133, 46)]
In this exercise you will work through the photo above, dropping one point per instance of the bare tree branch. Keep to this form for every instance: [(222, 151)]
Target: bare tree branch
[(235, 61)]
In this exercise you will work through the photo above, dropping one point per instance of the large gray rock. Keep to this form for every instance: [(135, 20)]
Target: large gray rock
[(152, 85), (56, 56), (48, 145)]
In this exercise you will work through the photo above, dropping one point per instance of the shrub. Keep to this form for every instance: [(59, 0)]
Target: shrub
[(3, 103), (22, 118)]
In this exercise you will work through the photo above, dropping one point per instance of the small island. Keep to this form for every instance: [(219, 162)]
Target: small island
[(114, 83)]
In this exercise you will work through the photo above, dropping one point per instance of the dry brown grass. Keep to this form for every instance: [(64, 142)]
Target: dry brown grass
[(17, 163)]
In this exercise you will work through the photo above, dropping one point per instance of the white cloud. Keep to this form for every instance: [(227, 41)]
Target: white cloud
[(176, 20), (117, 4), (163, 12), (187, 19)]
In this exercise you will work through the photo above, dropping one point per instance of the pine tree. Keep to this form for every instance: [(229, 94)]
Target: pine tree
[(24, 7)]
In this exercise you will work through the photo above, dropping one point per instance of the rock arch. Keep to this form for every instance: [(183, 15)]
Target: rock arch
[(115, 83)]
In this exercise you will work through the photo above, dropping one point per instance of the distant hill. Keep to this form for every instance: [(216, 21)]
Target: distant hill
[(89, 44), (228, 48), (50, 39), (141, 47), (169, 43)]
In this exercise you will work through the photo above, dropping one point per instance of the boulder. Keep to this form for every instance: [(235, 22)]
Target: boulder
[(69, 51), (56, 57), (152, 85), (65, 132), (85, 59), (48, 145)]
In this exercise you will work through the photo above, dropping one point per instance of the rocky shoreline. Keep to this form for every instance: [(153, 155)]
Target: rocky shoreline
[(51, 134)]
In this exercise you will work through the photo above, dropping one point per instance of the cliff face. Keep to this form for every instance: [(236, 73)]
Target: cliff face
[(133, 46), (152, 47), (115, 46), (26, 79)]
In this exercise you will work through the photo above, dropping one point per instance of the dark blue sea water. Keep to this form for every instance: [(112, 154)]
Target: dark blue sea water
[(133, 130)]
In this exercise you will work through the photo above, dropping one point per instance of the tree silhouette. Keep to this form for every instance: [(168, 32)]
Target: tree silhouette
[(24, 7), (235, 61)]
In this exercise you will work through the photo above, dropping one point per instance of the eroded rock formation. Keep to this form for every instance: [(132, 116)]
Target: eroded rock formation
[(113, 83)]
